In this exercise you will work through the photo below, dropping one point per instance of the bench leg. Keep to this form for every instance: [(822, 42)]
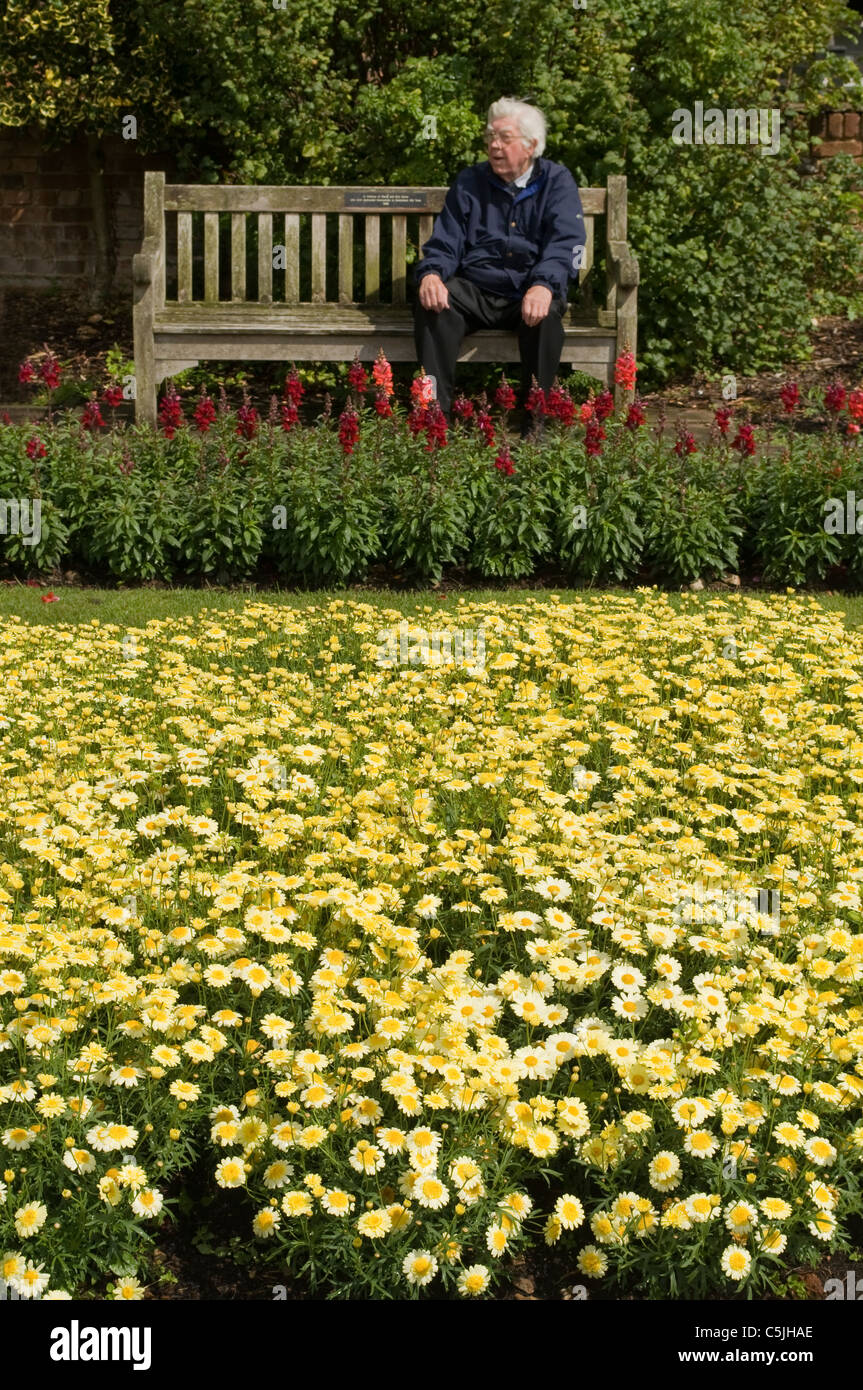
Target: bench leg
[(145, 367)]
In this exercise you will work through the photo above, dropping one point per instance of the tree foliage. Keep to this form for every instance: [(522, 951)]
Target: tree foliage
[(738, 248)]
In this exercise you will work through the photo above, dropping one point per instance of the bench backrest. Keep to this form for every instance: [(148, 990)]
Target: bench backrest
[(269, 244)]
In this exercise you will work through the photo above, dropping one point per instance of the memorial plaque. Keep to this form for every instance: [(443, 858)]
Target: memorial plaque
[(386, 198)]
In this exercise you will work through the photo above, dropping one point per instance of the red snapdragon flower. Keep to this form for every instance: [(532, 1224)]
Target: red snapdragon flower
[(382, 404), (382, 374), (593, 437), (35, 448), (625, 371), (486, 427), (744, 440), (635, 416), (204, 413), (560, 405), (357, 378), (422, 391), (26, 372), (535, 402), (503, 463), (685, 444), (92, 416), (349, 430), (855, 404), (463, 408), (417, 419), (113, 396), (604, 405), (790, 396), (504, 395), (722, 416), (294, 388), (247, 420), (290, 414), (50, 371), (435, 427), (170, 412), (834, 397), (586, 412)]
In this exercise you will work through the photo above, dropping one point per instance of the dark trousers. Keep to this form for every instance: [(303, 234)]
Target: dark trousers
[(438, 336)]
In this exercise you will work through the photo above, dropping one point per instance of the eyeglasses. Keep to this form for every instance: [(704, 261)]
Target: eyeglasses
[(492, 136)]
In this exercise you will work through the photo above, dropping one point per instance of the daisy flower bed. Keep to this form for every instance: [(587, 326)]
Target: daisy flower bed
[(432, 961)]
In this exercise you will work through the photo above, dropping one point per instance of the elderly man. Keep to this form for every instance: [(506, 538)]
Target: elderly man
[(502, 251)]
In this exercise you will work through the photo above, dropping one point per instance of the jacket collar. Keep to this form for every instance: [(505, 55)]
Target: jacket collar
[(538, 178)]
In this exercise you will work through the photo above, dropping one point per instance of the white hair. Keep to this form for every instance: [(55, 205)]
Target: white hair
[(529, 119)]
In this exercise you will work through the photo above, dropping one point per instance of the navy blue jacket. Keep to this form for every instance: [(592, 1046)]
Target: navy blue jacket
[(506, 240)]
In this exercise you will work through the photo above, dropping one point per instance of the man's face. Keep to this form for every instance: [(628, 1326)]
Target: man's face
[(508, 155)]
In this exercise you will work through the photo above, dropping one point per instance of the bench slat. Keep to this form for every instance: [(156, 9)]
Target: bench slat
[(319, 258), (400, 230), (346, 258), (373, 259), (245, 320), (211, 255), (238, 255), (184, 257), (292, 258), (265, 258)]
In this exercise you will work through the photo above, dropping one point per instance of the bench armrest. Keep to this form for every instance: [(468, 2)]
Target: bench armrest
[(623, 266), (147, 261)]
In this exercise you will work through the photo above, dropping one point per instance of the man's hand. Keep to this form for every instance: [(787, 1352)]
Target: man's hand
[(535, 305), (433, 293)]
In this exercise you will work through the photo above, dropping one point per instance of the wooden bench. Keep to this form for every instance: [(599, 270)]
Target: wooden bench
[(292, 313)]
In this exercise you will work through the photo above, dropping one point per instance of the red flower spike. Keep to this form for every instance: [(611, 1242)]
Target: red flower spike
[(504, 396), (50, 371), (382, 375), (635, 416), (625, 370), (593, 437), (463, 408), (26, 372), (294, 388), (744, 440), (91, 419), (35, 448), (790, 396), (349, 430), (604, 405), (834, 397), (204, 414), (357, 378)]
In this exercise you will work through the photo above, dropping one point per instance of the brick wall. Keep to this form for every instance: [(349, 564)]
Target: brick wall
[(46, 222), (840, 133)]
